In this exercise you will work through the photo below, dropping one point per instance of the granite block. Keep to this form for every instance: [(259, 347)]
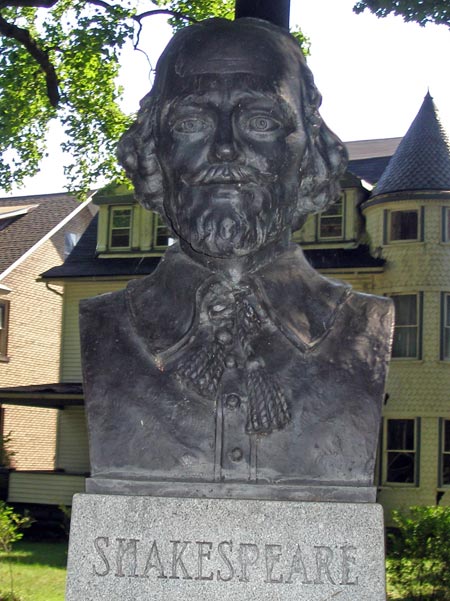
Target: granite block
[(165, 549)]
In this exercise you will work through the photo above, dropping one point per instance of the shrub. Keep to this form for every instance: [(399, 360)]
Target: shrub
[(10, 525), (420, 553)]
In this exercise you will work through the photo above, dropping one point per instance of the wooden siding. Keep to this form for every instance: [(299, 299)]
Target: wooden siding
[(74, 292), (72, 453), (45, 489)]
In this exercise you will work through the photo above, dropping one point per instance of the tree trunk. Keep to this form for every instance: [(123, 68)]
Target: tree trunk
[(275, 11)]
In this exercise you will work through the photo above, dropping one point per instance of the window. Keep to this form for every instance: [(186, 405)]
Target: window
[(401, 460), (445, 224), (331, 222), (407, 326), (162, 235), (445, 327), (403, 225), (120, 230), (445, 453), (4, 319)]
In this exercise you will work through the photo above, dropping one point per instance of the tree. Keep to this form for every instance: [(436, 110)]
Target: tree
[(419, 11), (59, 59)]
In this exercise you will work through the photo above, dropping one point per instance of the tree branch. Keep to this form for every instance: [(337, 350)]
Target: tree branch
[(23, 36), (28, 3), (162, 11)]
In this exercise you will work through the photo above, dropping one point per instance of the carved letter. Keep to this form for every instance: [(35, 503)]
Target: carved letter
[(122, 550), (298, 567), (348, 560), (248, 556), (100, 551), (154, 561), (204, 552), (226, 560), (273, 554), (324, 556), (176, 559)]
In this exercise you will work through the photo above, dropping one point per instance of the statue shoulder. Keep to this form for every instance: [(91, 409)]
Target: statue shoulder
[(103, 304)]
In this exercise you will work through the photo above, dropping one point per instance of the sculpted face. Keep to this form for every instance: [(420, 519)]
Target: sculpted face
[(230, 143)]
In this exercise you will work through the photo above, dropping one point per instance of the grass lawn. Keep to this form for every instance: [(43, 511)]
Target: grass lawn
[(39, 571)]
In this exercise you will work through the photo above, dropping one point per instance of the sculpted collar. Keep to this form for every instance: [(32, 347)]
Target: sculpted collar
[(189, 319)]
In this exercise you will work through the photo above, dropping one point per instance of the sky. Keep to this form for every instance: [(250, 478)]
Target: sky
[(372, 73)]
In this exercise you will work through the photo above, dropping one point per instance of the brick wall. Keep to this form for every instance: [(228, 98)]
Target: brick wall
[(34, 345)]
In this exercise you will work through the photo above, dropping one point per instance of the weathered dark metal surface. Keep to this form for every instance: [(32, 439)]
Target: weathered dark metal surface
[(234, 362)]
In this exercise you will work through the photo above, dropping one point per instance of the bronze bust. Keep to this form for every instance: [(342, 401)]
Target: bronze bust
[(235, 369)]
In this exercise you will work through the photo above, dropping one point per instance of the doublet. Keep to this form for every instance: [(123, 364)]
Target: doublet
[(278, 379)]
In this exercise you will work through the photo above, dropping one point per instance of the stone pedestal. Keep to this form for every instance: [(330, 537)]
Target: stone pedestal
[(165, 549)]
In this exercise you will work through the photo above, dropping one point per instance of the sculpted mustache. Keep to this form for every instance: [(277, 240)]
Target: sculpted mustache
[(228, 174)]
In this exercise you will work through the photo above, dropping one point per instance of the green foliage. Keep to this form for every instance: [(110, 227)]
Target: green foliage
[(6, 454), (197, 10), (83, 44), (420, 553), (61, 61), (419, 11), (10, 525), (9, 597)]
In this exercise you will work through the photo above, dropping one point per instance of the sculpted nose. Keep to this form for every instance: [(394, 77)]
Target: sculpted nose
[(224, 147), (225, 151)]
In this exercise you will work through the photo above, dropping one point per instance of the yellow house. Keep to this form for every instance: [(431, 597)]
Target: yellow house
[(393, 240)]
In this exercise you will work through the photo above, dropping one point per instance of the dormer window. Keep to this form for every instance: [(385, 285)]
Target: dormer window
[(331, 222), (162, 236), (120, 230)]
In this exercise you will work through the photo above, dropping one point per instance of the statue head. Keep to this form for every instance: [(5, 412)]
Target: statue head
[(229, 145)]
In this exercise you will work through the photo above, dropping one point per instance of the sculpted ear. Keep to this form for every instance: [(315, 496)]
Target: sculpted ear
[(136, 153), (324, 160)]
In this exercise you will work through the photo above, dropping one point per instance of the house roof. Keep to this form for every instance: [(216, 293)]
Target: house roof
[(25, 220), (55, 395), (368, 149), (84, 262), (369, 158), (422, 159), (369, 169), (343, 258)]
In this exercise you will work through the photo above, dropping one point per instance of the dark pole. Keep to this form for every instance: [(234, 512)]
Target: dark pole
[(275, 11)]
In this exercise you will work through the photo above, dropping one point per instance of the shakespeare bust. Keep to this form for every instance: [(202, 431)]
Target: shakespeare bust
[(235, 369)]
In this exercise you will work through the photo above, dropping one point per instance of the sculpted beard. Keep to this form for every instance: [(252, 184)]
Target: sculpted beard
[(225, 210)]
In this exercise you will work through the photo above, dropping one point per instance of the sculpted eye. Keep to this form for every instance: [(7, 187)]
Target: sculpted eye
[(190, 126), (262, 123)]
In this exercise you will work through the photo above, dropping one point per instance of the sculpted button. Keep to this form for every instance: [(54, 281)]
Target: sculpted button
[(232, 401), (224, 336), (230, 361), (236, 454)]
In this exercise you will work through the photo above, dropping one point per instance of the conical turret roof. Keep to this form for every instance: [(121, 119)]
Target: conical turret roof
[(422, 159)]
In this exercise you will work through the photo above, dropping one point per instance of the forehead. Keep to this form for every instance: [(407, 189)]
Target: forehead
[(207, 88)]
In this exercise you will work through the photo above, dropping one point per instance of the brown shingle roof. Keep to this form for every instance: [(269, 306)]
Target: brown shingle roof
[(26, 230)]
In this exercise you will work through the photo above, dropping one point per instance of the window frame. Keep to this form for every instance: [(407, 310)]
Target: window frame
[(445, 234), (444, 328), (387, 235), (324, 216), (158, 223), (442, 452), (115, 209), (4, 330), (418, 326), (415, 451)]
